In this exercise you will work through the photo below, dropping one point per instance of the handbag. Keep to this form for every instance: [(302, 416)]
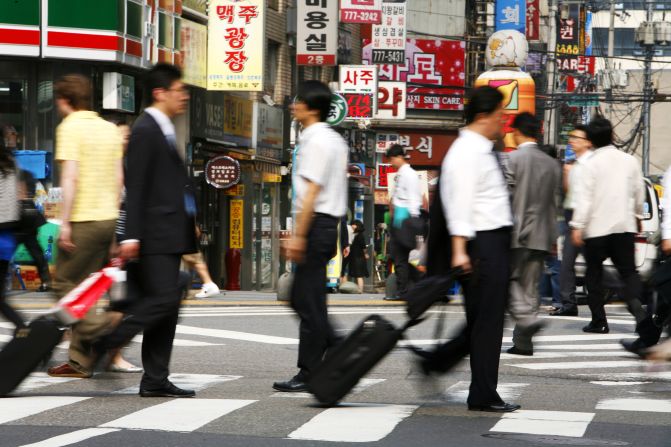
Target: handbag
[(30, 218), (661, 281), (411, 228)]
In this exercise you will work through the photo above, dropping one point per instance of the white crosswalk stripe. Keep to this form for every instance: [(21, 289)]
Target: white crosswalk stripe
[(559, 423), (636, 404), (14, 408)]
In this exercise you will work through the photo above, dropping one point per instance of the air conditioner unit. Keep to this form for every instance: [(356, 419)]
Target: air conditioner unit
[(621, 79), (645, 34), (662, 33)]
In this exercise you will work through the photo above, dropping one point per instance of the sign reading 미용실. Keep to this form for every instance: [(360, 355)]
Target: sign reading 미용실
[(236, 43), (317, 32), (389, 36)]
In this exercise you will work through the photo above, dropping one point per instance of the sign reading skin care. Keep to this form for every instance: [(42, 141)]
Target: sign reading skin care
[(317, 32), (236, 44)]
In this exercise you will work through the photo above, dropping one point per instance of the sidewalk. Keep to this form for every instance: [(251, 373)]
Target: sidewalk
[(37, 300)]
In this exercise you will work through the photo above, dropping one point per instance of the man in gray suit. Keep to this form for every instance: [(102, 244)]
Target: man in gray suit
[(534, 180)]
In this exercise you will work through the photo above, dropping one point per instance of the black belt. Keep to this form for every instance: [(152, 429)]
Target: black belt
[(326, 216)]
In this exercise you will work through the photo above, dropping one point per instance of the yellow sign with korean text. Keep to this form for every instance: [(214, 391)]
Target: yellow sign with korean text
[(236, 239), (236, 45)]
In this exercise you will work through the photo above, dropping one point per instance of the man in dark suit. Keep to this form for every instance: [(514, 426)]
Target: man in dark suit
[(534, 179), (160, 210)]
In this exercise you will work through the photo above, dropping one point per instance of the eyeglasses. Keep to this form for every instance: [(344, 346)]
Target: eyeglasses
[(576, 137)]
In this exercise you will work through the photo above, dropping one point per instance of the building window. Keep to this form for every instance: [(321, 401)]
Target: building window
[(272, 64), (12, 117), (274, 4), (134, 19)]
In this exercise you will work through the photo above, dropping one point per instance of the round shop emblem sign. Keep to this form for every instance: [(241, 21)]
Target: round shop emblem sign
[(338, 111), (222, 172)]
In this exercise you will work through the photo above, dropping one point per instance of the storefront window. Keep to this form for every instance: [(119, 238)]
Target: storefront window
[(12, 113)]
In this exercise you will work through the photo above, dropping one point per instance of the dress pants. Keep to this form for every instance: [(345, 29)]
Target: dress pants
[(400, 255), (620, 249), (567, 273), (486, 298), (527, 266), (308, 294), (155, 312)]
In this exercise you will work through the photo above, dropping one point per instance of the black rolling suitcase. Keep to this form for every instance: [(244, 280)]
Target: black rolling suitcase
[(23, 354), (348, 362)]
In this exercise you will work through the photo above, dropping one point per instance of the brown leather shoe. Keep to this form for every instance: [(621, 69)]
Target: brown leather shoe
[(68, 370)]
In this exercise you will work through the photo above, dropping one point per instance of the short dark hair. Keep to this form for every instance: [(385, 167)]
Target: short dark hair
[(396, 150), (481, 100), (600, 132), (581, 128), (317, 96), (75, 89), (528, 125), (161, 75)]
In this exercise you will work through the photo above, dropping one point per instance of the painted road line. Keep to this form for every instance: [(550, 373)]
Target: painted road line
[(354, 423), (40, 380), (635, 404), (610, 383), (182, 342), (578, 365), (583, 347), (534, 422), (194, 382), (576, 337), (72, 438), (179, 415), (14, 408), (610, 320), (564, 354), (458, 392), (631, 376), (235, 335)]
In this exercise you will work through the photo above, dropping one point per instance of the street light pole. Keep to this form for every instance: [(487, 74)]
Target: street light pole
[(647, 97), (609, 60), (550, 114)]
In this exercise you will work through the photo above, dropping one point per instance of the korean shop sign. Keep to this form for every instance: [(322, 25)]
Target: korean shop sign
[(317, 32), (511, 14), (360, 11), (236, 43), (389, 36), (358, 84), (391, 100), (222, 172)]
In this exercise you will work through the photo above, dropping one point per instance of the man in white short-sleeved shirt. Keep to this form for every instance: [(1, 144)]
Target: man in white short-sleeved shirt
[(320, 186)]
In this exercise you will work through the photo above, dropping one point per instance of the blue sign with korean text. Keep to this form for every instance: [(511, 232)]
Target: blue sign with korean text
[(511, 14)]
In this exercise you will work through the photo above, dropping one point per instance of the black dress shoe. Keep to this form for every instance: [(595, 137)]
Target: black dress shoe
[(495, 408), (294, 385), (565, 313), (517, 351), (596, 328), (169, 391), (635, 347)]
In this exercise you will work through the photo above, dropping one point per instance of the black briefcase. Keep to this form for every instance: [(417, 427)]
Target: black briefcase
[(23, 354), (348, 362), (427, 292)]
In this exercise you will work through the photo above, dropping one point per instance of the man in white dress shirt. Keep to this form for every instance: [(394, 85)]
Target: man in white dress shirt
[(320, 184), (406, 202), (605, 221), (476, 204)]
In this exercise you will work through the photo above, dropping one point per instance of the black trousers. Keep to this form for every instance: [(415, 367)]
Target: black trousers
[(5, 309), (567, 269), (620, 249), (485, 298), (155, 312), (400, 254), (29, 239), (308, 294)]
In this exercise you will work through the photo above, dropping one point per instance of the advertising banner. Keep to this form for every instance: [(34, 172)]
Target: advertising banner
[(428, 62), (317, 32), (533, 16), (389, 36), (511, 14), (236, 45), (391, 100), (360, 11), (194, 53)]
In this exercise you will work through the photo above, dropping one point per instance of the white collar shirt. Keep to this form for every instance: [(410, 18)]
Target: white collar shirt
[(164, 122), (322, 158), (573, 180), (472, 186), (611, 193), (407, 190)]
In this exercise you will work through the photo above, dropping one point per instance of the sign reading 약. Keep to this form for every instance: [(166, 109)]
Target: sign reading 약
[(389, 36), (222, 172), (236, 45), (360, 11), (317, 33), (391, 100)]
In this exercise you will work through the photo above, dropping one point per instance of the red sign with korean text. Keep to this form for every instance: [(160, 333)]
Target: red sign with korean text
[(436, 64), (426, 149), (360, 11), (533, 16)]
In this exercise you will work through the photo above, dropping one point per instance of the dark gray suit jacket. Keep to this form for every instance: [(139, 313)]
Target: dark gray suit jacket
[(534, 179)]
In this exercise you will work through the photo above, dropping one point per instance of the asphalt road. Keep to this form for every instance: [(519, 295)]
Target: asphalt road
[(578, 389)]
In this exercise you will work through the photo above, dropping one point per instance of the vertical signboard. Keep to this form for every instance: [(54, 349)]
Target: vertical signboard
[(511, 14), (360, 11), (389, 36), (236, 44), (391, 100), (569, 41), (358, 84), (194, 53), (317, 32), (533, 18), (236, 238)]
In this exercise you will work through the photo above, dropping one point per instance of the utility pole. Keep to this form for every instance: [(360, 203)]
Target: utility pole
[(609, 61), (647, 97), (550, 114)]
